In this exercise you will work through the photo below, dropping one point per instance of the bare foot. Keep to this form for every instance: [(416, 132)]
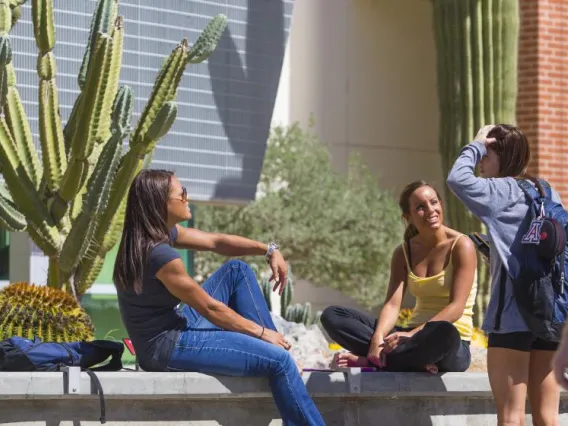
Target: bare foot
[(348, 359), (432, 368)]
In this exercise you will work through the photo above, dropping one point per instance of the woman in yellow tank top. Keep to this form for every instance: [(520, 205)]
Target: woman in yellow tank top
[(437, 265)]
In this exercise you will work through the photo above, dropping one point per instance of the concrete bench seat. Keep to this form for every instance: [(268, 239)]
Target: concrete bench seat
[(344, 398)]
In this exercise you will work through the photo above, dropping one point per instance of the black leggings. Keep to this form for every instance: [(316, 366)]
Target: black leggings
[(437, 343)]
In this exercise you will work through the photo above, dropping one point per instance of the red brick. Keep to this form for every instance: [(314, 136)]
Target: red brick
[(542, 105)]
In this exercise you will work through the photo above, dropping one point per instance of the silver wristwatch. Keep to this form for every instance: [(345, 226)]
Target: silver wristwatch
[(271, 248)]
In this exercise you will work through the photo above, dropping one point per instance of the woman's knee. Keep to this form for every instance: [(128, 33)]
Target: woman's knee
[(549, 418), (237, 264), (331, 317), (282, 362), (444, 329)]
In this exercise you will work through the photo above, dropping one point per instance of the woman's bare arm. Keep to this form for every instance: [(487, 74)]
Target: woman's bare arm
[(393, 300), (175, 278)]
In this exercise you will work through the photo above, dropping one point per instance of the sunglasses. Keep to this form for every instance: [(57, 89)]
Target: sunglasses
[(183, 195)]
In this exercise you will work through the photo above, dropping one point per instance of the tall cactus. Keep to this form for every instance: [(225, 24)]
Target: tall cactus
[(72, 201), (477, 56)]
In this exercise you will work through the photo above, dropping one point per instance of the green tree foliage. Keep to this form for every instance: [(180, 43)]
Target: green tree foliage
[(336, 230)]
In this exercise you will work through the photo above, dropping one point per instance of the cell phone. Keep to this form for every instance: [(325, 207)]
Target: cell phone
[(129, 345)]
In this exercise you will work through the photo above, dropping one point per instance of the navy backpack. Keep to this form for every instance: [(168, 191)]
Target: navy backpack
[(20, 354), (539, 284)]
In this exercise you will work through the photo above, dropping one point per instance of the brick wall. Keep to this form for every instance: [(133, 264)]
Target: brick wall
[(542, 108)]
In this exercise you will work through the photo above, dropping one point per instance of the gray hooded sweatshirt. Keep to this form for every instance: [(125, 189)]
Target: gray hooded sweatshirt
[(501, 205)]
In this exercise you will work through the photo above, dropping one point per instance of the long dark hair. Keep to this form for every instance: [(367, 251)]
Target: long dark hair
[(512, 148), (404, 204), (145, 226)]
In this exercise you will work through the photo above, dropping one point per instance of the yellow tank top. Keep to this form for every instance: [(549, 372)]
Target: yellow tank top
[(433, 294)]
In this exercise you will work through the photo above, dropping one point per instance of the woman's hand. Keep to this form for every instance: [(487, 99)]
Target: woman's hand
[(483, 132), (279, 269), (393, 340), (275, 338), (376, 356)]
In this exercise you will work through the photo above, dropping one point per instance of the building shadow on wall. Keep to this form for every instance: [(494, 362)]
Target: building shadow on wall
[(245, 92)]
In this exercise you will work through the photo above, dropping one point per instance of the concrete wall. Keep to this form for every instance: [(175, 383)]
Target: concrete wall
[(366, 71)]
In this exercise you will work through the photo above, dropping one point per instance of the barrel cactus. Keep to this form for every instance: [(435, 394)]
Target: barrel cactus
[(51, 314), (71, 202), (477, 55)]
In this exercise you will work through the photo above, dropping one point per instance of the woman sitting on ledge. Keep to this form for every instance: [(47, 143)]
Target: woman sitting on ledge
[(438, 265), (225, 326)]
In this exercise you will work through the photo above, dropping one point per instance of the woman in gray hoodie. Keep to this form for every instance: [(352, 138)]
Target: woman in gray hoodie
[(517, 361)]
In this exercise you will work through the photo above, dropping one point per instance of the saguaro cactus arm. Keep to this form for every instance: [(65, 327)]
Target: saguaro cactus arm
[(104, 16), (10, 217), (81, 235), (20, 129), (51, 133), (23, 190), (207, 41)]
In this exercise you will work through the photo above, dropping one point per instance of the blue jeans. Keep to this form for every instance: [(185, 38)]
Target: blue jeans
[(206, 348)]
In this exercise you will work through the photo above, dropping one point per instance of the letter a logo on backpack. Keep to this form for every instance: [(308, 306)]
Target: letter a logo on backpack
[(533, 234)]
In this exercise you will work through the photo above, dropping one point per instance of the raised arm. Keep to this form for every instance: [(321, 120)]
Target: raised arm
[(175, 278), (223, 244), (483, 197), (231, 246)]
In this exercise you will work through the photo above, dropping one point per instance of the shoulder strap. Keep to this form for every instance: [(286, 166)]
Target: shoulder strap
[(407, 256), (455, 242), (529, 190), (546, 187), (540, 190)]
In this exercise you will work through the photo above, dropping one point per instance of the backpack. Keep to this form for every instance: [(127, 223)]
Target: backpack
[(20, 354), (539, 284)]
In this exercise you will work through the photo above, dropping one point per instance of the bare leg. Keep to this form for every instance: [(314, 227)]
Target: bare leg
[(508, 371), (544, 392)]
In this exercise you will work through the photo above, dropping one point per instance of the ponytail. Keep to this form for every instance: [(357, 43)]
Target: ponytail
[(410, 231)]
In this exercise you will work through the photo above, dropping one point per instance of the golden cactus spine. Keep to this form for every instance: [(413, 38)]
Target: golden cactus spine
[(32, 311)]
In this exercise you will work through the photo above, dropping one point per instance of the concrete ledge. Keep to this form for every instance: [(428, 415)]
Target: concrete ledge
[(344, 398), (162, 385)]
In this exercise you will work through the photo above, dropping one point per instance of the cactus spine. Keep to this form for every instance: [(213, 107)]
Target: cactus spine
[(287, 295), (476, 41), (29, 311), (301, 314), (266, 291), (72, 202)]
